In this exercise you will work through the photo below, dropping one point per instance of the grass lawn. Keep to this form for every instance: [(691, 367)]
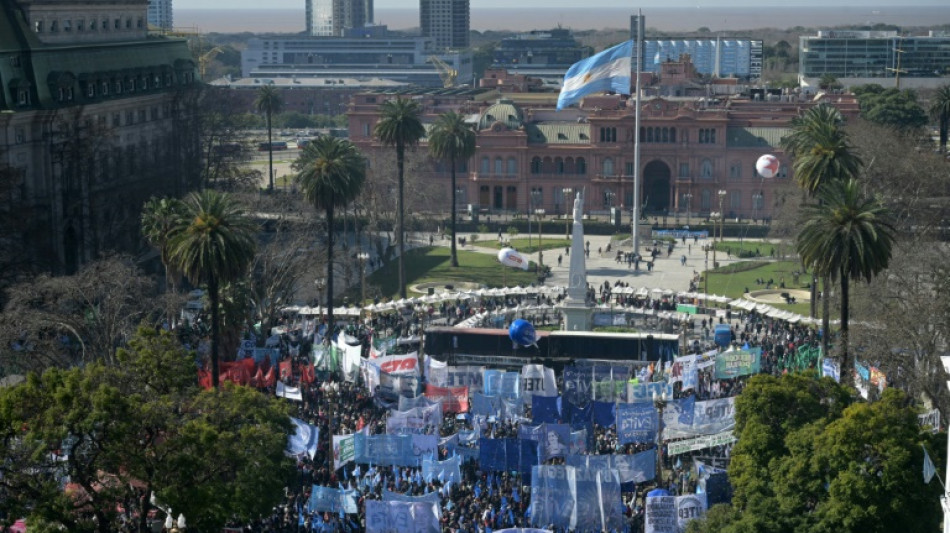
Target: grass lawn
[(521, 244), (432, 264), (732, 280), (734, 247)]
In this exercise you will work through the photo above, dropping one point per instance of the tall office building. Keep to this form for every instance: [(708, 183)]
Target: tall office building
[(446, 22), (331, 18), (160, 14)]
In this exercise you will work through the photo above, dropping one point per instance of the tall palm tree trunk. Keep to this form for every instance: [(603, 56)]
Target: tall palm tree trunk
[(847, 376), (215, 329), (330, 271), (825, 315), (400, 238), (270, 155), (455, 258)]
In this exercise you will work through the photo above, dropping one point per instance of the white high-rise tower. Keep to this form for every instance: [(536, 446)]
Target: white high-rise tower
[(160, 14)]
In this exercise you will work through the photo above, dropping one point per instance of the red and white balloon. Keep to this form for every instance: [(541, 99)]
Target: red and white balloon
[(767, 166)]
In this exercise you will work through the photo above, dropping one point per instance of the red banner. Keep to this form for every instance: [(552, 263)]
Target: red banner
[(270, 379), (454, 399)]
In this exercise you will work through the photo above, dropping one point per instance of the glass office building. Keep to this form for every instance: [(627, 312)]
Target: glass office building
[(874, 54)]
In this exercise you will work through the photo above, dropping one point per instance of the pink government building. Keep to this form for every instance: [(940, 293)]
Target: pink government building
[(530, 156)]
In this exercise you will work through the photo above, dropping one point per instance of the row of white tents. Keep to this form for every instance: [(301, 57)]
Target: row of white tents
[(548, 291)]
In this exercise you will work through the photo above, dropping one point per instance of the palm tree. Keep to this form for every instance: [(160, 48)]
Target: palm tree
[(332, 173), (269, 102), (213, 243), (451, 138), (821, 148), (846, 236), (821, 153), (940, 111), (400, 126), (159, 217)]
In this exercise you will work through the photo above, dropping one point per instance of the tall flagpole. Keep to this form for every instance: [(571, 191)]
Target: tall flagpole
[(635, 215)]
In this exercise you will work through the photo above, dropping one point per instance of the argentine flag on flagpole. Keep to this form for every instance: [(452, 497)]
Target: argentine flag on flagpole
[(606, 71)]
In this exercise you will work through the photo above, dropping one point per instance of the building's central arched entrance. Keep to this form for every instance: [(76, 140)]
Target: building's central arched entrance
[(656, 188)]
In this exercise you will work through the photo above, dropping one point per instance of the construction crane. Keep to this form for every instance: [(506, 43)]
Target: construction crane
[(446, 72), (206, 58)]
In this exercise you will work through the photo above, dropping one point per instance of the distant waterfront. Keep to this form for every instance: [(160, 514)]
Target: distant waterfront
[(669, 20)]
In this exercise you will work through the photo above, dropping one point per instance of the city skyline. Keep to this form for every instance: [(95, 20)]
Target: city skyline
[(496, 4)]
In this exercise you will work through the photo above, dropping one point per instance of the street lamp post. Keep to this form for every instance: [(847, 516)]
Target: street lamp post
[(363, 257), (659, 401), (540, 214), (722, 195), (689, 198)]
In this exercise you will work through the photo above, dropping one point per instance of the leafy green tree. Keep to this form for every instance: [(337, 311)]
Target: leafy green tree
[(400, 126), (213, 244), (123, 433), (940, 111), (828, 82), (332, 172), (808, 459), (270, 103), (452, 139), (891, 107), (846, 236)]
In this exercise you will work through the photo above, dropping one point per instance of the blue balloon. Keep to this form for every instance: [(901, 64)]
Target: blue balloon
[(522, 332)]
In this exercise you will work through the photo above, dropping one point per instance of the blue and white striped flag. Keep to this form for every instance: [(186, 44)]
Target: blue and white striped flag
[(929, 468), (606, 71)]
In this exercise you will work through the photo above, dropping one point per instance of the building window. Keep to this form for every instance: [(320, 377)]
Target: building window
[(735, 170), (758, 200), (499, 166), (608, 166), (705, 199), (116, 120), (80, 25), (608, 135), (67, 25), (53, 26), (117, 24), (684, 170), (628, 169), (707, 136), (486, 165), (139, 24), (20, 135), (105, 24), (92, 25), (581, 166), (672, 135), (38, 26), (735, 200), (558, 165), (706, 170), (512, 166), (365, 130), (128, 24), (154, 113), (118, 86), (782, 171), (536, 165)]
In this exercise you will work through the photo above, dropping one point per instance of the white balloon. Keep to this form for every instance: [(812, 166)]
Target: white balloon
[(509, 257), (767, 166)]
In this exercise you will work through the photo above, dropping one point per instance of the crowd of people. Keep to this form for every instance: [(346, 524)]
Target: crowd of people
[(483, 501)]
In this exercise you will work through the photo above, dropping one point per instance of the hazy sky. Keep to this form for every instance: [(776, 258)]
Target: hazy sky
[(645, 4)]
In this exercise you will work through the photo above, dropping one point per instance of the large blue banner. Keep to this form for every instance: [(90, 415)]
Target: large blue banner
[(553, 496), (444, 471), (508, 455), (398, 450), (636, 422), (503, 384), (483, 404), (546, 409), (637, 468), (325, 499), (390, 496), (578, 384), (604, 413), (527, 432), (599, 507)]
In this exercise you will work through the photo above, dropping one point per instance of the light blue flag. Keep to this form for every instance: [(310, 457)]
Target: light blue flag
[(304, 440), (606, 71)]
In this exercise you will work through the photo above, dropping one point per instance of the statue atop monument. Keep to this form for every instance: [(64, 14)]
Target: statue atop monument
[(577, 313), (578, 208)]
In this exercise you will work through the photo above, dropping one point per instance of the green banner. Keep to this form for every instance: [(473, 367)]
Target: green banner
[(738, 363), (686, 308)]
